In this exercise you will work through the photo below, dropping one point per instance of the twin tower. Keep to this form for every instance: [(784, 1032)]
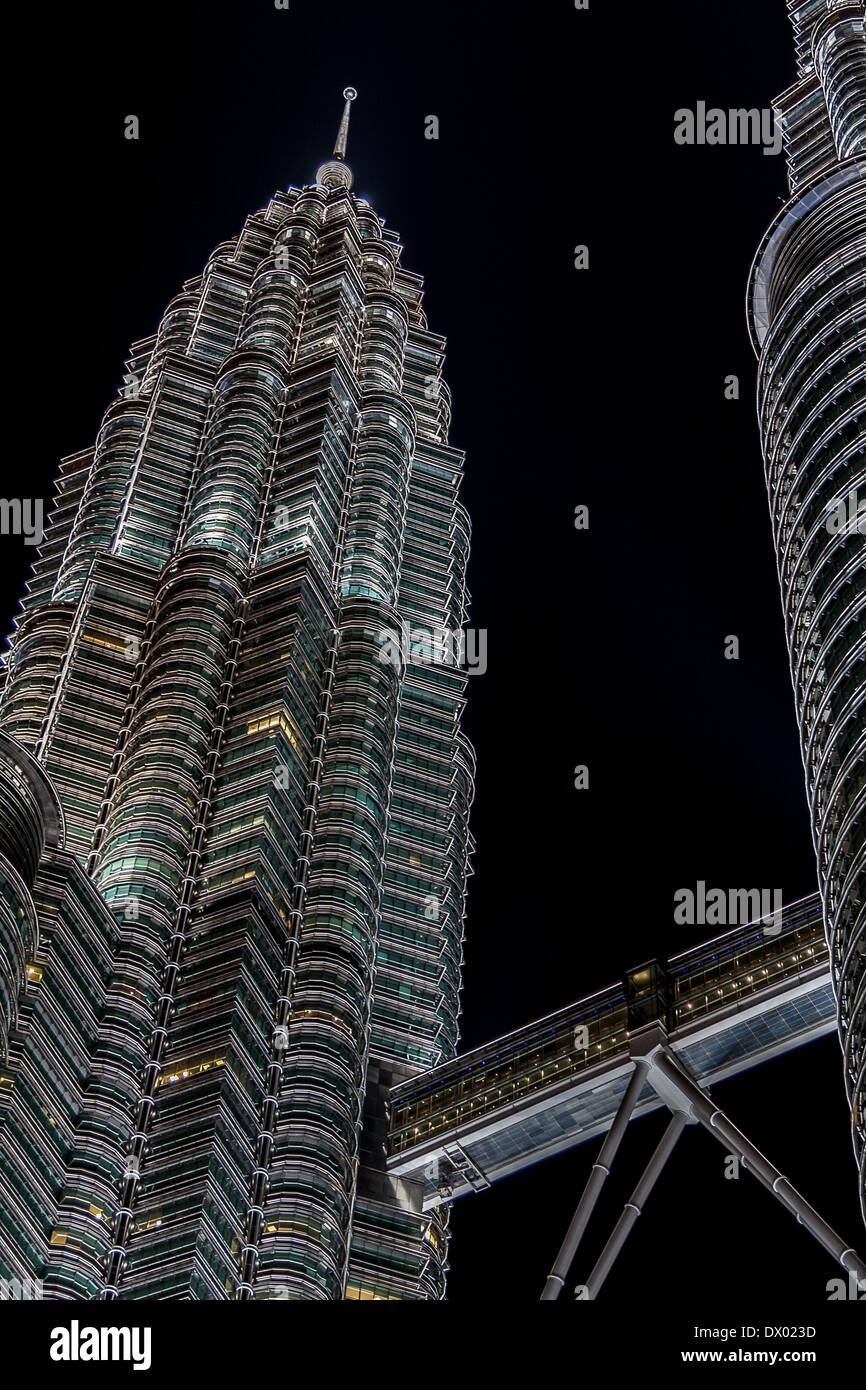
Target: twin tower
[(807, 316), (236, 845)]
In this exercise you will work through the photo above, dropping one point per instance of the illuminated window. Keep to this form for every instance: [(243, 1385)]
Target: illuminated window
[(172, 1078), (360, 1291), (103, 640), (277, 719)]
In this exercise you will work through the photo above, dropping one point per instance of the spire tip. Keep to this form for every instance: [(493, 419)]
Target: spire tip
[(335, 173)]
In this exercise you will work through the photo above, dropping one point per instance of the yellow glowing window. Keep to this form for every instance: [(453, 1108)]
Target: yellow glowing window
[(172, 1078), (277, 719), (34, 973), (58, 1237), (103, 640), (357, 1291)]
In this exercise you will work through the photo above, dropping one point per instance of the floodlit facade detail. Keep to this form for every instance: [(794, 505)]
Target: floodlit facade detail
[(234, 843), (807, 316)]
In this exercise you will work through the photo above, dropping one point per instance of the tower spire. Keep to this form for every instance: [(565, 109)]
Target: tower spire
[(343, 133), (335, 172)]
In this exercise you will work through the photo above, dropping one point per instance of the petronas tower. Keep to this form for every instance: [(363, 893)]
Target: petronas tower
[(234, 837), (807, 316)]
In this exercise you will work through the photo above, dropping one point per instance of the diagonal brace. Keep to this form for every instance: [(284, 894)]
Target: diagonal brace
[(634, 1206), (600, 1169)]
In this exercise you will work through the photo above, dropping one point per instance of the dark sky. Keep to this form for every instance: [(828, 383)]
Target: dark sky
[(602, 387)]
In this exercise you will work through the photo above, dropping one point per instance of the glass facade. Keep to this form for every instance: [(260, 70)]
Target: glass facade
[(807, 314), (232, 893)]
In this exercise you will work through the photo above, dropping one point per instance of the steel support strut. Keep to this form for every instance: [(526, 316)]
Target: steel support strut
[(600, 1169), (634, 1206), (715, 1120), (678, 1090)]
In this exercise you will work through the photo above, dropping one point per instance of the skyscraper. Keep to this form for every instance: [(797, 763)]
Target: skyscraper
[(807, 317), (235, 833)]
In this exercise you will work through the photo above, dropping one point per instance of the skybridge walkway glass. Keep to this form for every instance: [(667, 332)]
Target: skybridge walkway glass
[(726, 1005)]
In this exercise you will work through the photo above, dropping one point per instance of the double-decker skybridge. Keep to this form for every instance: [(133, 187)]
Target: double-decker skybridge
[(661, 1037)]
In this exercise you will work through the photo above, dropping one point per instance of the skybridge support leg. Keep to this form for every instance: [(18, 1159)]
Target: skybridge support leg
[(600, 1169), (715, 1120), (634, 1206)]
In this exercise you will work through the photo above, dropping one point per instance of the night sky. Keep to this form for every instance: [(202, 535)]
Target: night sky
[(602, 387)]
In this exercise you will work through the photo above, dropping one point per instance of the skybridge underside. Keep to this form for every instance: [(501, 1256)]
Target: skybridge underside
[(475, 1151)]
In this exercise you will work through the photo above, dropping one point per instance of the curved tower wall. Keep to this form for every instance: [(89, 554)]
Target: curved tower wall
[(807, 312)]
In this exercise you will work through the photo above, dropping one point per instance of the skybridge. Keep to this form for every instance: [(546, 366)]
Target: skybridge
[(727, 1005), (658, 1040)]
